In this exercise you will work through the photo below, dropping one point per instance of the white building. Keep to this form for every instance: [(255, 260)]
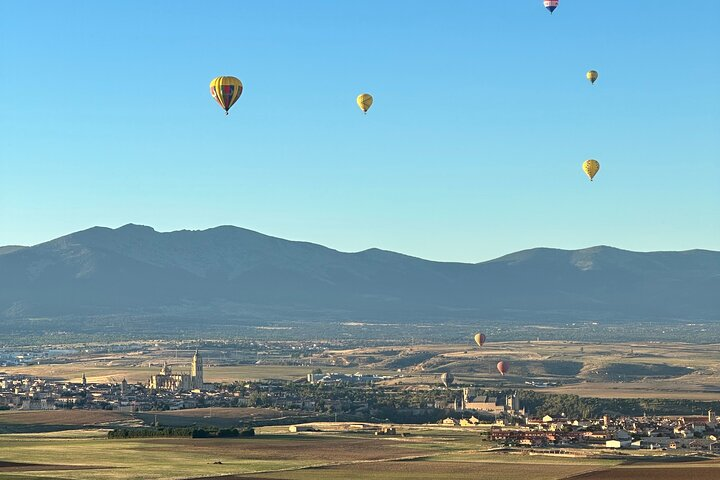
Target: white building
[(618, 443)]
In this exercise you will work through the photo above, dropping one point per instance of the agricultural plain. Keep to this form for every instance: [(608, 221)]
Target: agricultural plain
[(425, 453), (73, 444), (613, 370)]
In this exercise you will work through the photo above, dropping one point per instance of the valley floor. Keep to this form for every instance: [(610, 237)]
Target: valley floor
[(427, 453)]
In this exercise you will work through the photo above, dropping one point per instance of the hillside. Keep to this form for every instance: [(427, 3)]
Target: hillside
[(136, 270)]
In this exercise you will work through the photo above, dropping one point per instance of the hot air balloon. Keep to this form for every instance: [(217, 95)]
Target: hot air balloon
[(591, 167), (502, 367), (479, 339), (226, 91), (592, 75), (364, 101), (447, 379), (551, 5)]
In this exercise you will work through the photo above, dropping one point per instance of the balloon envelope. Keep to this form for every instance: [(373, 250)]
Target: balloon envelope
[(591, 167), (502, 367), (447, 379), (551, 4), (592, 75), (226, 91), (364, 101), (479, 339)]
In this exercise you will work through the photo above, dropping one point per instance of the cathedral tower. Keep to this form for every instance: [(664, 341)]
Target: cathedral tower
[(196, 371)]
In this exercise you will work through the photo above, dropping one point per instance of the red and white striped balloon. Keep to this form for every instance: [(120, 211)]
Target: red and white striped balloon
[(551, 4)]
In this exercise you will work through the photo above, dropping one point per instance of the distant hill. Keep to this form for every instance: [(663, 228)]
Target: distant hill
[(10, 249), (230, 270)]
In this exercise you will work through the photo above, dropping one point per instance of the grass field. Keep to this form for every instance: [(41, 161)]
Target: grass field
[(425, 470), (266, 455), (510, 471), (427, 454), (188, 458)]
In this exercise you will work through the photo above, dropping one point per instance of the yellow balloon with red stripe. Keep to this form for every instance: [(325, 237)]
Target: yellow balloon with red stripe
[(226, 91), (364, 101), (591, 167)]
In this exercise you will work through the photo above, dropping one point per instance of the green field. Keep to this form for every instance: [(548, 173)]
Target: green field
[(266, 455), (426, 453)]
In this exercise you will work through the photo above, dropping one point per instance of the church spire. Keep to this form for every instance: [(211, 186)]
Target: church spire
[(196, 370)]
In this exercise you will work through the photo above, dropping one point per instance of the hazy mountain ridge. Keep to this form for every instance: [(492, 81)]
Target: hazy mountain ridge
[(10, 249), (136, 269)]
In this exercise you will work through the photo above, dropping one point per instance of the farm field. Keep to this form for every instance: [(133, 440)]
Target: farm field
[(426, 454), (625, 370), (669, 389), (62, 417), (494, 470), (112, 371), (20, 421)]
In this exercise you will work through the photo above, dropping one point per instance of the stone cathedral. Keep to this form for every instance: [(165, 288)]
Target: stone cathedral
[(167, 380)]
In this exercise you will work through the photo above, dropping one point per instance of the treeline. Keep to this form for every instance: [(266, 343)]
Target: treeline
[(408, 415), (541, 404), (223, 433), (192, 432)]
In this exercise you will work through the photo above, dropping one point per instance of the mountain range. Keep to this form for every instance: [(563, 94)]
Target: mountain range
[(231, 271)]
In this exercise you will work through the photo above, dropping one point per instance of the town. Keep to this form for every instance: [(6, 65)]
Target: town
[(498, 417)]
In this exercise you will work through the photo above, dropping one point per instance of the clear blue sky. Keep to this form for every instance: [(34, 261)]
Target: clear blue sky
[(473, 148)]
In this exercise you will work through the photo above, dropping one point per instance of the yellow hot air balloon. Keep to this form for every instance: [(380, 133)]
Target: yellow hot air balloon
[(226, 91), (364, 101), (592, 75), (479, 339), (591, 167)]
